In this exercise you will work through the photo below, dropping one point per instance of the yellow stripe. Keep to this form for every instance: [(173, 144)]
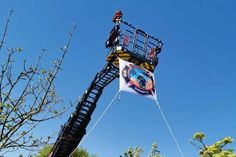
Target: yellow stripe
[(120, 51), (147, 66), (123, 55), (110, 57), (152, 68), (143, 66), (125, 58), (116, 61)]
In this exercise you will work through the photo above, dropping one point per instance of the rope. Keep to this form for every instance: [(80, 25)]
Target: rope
[(171, 132), (98, 120), (109, 105)]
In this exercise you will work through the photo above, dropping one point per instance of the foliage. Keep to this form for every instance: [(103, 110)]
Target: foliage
[(27, 96), (79, 152), (217, 149), (136, 152), (154, 151), (45, 151), (133, 152)]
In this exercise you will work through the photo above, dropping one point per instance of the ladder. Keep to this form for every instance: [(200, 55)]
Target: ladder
[(74, 129)]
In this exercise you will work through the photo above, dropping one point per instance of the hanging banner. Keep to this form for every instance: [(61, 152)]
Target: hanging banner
[(136, 80)]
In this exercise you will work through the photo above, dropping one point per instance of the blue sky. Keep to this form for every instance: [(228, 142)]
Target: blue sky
[(195, 78)]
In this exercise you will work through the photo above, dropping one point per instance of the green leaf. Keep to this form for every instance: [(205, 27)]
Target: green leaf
[(23, 133), (43, 71), (7, 106), (19, 49), (227, 140), (199, 136)]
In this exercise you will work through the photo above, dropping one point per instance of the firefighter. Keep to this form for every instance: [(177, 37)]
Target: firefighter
[(117, 16), (113, 37), (153, 52)]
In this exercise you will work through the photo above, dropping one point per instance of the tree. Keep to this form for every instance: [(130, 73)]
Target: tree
[(45, 151), (137, 151), (217, 149), (154, 151), (79, 152), (27, 97), (133, 152)]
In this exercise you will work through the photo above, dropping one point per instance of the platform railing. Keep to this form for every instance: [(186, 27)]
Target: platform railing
[(138, 42)]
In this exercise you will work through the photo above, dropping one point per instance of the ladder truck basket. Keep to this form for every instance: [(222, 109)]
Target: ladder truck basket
[(134, 45)]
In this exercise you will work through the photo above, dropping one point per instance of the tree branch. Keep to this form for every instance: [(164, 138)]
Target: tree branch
[(36, 102), (6, 28)]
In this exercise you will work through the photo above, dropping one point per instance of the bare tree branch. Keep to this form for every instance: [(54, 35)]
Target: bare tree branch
[(6, 28)]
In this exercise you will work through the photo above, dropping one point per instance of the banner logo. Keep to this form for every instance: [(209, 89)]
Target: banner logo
[(140, 80)]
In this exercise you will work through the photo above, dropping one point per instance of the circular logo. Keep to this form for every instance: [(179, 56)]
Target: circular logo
[(139, 79)]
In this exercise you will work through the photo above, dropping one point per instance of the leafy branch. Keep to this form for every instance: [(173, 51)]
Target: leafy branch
[(28, 97)]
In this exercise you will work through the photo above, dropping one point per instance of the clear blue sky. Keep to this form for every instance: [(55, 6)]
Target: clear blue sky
[(195, 79)]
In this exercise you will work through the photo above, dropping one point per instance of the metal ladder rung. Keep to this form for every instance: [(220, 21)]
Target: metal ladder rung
[(94, 93), (108, 75), (96, 87), (87, 105), (83, 111), (100, 84), (102, 80), (89, 101)]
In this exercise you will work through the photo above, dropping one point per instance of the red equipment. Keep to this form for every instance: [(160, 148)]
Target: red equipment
[(117, 16)]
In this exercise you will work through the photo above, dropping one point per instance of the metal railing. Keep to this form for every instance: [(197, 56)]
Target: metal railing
[(138, 42)]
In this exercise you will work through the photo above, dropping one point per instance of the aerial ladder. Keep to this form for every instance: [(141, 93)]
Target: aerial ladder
[(126, 42)]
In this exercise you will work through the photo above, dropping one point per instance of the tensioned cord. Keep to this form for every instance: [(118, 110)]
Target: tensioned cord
[(169, 128), (109, 105), (98, 120)]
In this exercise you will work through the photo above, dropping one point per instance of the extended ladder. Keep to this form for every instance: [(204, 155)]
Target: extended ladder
[(74, 130)]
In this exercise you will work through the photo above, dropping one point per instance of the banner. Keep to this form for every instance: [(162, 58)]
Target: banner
[(136, 80)]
